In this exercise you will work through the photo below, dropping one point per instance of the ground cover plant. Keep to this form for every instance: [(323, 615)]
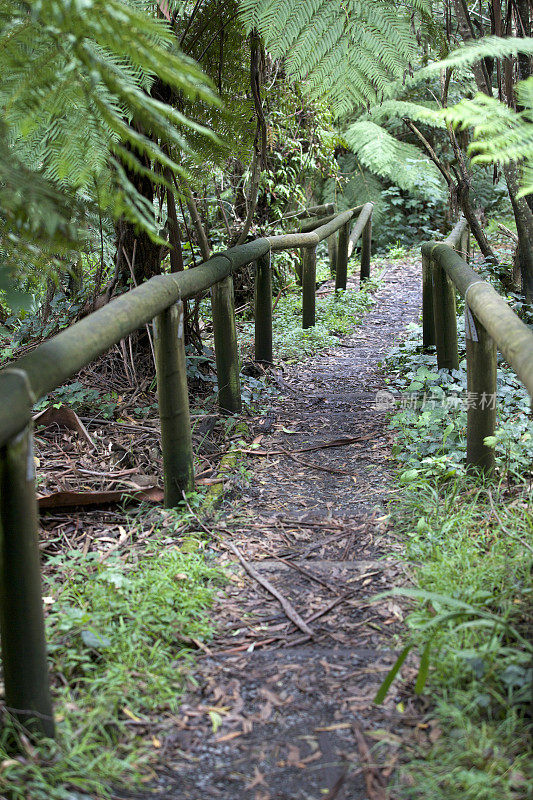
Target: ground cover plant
[(337, 313), (469, 543), (122, 628)]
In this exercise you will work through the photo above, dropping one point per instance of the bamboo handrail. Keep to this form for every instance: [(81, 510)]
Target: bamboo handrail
[(491, 325), (50, 364)]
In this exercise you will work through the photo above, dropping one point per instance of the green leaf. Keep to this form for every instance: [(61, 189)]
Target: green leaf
[(385, 686), (216, 720), (423, 669)]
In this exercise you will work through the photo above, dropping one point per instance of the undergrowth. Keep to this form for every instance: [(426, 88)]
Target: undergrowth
[(469, 542), (121, 634), (336, 315)]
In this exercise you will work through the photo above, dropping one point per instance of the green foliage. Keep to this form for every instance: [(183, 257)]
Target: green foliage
[(431, 425), (400, 109), (469, 545), (344, 52), (470, 548), (336, 315), (501, 135), (487, 47), (398, 161), (397, 215), (120, 633), (81, 116), (302, 142)]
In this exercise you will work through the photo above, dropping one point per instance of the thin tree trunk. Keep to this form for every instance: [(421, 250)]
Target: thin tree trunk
[(522, 212)]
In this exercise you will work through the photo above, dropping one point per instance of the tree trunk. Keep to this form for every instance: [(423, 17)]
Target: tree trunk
[(522, 212), (140, 256)]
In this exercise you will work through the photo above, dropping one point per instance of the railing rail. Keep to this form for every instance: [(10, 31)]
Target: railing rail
[(490, 325), (50, 364)]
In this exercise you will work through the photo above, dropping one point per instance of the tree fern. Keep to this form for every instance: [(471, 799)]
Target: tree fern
[(501, 135), (344, 51), (354, 186), (400, 162), (75, 98)]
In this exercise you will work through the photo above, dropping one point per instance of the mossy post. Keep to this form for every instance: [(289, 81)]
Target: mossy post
[(445, 315), (25, 666), (341, 275), (226, 353), (366, 251), (178, 460), (481, 369), (428, 321), (332, 253), (308, 286), (263, 309)]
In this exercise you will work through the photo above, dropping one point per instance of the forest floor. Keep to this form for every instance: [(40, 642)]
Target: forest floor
[(283, 709)]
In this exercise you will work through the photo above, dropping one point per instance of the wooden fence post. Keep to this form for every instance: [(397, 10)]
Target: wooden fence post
[(366, 251), (428, 320), (173, 399), (24, 658), (342, 257), (481, 368), (263, 309), (445, 316), (332, 253), (226, 354), (308, 286)]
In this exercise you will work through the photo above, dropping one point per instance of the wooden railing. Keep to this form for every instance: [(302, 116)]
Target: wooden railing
[(490, 325), (53, 362)]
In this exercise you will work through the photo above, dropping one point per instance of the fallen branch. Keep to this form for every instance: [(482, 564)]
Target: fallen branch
[(310, 575), (289, 610), (342, 442)]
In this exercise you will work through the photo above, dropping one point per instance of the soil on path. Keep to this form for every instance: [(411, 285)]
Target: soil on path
[(278, 714)]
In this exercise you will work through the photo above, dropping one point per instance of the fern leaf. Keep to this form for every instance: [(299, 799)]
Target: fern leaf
[(400, 162)]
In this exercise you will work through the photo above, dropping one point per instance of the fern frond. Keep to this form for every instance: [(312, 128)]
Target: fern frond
[(488, 47), (400, 162), (501, 135), (76, 92), (391, 110), (344, 51)]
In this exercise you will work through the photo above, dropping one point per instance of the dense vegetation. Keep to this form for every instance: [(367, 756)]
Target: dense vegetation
[(139, 138)]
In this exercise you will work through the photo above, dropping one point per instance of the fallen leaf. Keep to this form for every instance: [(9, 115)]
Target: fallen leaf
[(67, 499), (228, 736), (63, 417)]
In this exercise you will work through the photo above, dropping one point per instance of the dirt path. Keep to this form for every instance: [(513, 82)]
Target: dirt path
[(279, 714)]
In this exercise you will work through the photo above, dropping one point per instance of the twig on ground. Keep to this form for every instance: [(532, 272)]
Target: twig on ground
[(342, 442), (374, 783), (298, 568), (289, 609)]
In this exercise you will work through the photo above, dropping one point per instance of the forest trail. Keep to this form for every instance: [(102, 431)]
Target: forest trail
[(278, 714)]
